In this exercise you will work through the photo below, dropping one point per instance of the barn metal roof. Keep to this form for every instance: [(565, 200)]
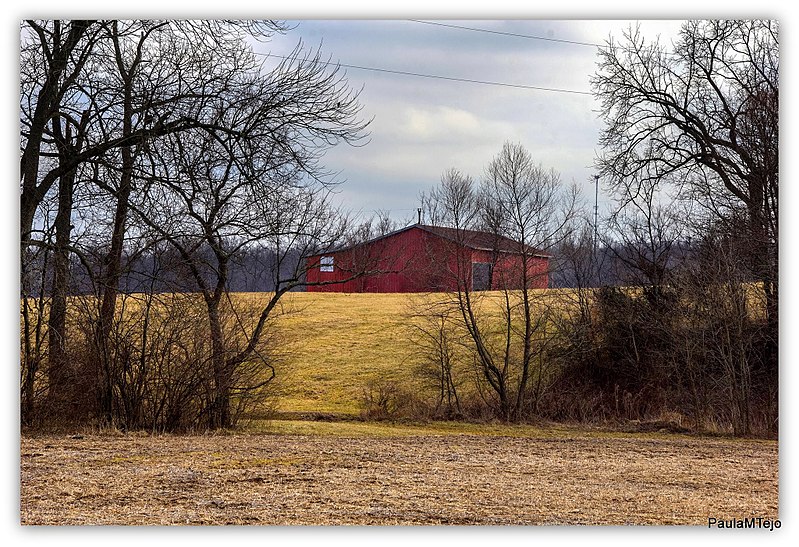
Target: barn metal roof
[(478, 240), (473, 239)]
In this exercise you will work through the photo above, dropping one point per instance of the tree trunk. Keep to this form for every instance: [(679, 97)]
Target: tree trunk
[(58, 375), (62, 388), (527, 342), (113, 262), (110, 290), (219, 412)]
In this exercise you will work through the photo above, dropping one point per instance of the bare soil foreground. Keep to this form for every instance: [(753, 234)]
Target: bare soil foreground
[(404, 479)]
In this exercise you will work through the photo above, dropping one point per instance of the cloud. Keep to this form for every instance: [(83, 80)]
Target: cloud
[(438, 123), (423, 126)]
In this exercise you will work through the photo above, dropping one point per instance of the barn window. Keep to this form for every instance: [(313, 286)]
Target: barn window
[(326, 264)]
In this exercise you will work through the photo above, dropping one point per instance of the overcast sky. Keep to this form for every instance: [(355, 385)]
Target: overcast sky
[(424, 126)]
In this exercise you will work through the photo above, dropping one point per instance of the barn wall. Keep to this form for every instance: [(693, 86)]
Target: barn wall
[(418, 261), (508, 270), (411, 261), (401, 265), (538, 271), (388, 256)]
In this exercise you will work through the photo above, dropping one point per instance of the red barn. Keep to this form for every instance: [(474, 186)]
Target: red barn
[(423, 258)]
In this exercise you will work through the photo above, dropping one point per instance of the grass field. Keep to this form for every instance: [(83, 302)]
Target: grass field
[(309, 473), (336, 344)]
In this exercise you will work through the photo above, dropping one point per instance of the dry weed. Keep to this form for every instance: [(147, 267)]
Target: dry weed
[(446, 479)]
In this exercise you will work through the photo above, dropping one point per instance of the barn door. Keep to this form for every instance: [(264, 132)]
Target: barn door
[(481, 276)]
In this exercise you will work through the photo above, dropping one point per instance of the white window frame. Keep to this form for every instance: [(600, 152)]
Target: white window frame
[(326, 264)]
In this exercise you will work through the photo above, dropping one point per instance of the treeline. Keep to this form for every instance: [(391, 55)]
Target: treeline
[(164, 271), (257, 269)]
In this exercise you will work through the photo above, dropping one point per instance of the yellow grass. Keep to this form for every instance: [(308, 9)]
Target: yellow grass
[(336, 344)]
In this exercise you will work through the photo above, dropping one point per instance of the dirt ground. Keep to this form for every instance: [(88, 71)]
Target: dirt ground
[(449, 479)]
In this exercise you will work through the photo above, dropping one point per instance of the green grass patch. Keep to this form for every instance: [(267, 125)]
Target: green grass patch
[(393, 429)]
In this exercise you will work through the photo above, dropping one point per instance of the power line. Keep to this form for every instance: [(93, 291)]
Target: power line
[(515, 35), (439, 77), (532, 37)]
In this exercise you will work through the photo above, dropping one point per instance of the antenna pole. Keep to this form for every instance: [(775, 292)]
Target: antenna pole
[(419, 213), (596, 209)]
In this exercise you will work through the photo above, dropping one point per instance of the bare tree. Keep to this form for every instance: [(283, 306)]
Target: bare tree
[(644, 237), (524, 206), (75, 114), (53, 55), (704, 117), (453, 202), (63, 74), (251, 189), (163, 88), (537, 213), (433, 334)]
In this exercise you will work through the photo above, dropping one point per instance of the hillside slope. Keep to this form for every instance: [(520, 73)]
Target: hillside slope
[(334, 345)]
